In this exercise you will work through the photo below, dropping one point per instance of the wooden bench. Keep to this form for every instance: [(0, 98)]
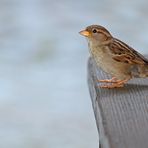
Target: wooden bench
[(122, 113)]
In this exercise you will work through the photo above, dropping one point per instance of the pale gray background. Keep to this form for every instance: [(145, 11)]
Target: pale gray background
[(44, 99)]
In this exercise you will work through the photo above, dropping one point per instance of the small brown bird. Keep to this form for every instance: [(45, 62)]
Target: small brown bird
[(114, 57)]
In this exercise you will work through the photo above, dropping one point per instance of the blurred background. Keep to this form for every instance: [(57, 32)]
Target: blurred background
[(44, 99)]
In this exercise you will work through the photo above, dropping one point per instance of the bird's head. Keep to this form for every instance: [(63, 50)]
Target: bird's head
[(96, 33)]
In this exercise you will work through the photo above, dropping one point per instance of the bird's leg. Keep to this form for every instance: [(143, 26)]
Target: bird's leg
[(119, 83), (112, 80)]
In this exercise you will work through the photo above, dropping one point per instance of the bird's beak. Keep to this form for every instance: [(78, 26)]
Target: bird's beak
[(84, 33)]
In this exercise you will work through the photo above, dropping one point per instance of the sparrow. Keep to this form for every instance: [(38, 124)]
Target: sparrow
[(114, 57)]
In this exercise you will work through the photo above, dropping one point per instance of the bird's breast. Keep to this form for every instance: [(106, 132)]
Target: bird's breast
[(104, 60)]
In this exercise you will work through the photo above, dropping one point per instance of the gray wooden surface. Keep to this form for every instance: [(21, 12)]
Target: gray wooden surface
[(122, 113)]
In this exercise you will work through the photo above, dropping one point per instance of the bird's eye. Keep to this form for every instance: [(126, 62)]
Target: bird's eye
[(94, 31)]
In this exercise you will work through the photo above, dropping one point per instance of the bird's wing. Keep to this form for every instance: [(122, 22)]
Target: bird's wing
[(123, 53)]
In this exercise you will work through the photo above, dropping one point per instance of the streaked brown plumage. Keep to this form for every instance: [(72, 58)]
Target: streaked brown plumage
[(114, 56)]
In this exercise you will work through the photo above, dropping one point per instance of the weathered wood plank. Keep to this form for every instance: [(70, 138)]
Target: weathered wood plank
[(121, 114)]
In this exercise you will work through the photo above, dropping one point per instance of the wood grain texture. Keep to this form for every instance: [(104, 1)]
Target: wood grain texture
[(121, 113)]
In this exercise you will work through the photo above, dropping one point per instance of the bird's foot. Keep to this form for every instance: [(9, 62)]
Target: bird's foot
[(112, 80), (112, 86), (115, 84)]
